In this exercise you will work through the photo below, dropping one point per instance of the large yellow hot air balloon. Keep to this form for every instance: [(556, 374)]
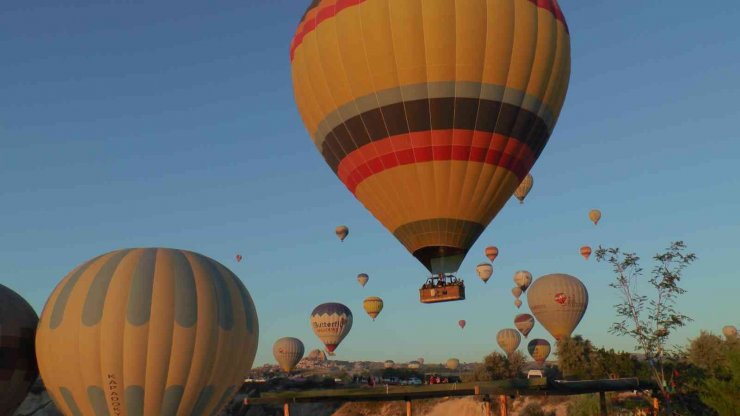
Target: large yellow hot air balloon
[(288, 352), (539, 349), (508, 339), (524, 322), (485, 271), (558, 301), (729, 331), (342, 232), (452, 364), (373, 305), (594, 215), (523, 189), (431, 112), (18, 368), (146, 331), (331, 322)]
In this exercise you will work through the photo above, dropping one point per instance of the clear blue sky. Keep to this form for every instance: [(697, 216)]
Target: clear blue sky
[(129, 124)]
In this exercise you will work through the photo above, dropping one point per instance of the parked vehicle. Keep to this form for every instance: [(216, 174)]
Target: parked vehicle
[(535, 374)]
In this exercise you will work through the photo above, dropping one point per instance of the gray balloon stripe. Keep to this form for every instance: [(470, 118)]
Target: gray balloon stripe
[(57, 314), (92, 310), (96, 395), (223, 296), (249, 308), (171, 400), (203, 398), (134, 397), (186, 294), (70, 400), (139, 305)]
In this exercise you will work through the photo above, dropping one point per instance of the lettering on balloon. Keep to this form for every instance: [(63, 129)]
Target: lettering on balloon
[(330, 327), (113, 396)]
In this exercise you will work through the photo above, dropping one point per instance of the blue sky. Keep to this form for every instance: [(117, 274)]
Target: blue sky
[(173, 124)]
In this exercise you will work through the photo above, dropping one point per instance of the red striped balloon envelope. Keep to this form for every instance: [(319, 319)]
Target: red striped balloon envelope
[(431, 112)]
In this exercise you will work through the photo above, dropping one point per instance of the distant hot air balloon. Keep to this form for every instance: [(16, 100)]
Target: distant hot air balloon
[(146, 331), (508, 339), (373, 305), (288, 352), (485, 271), (342, 232), (18, 369), (431, 130), (594, 215), (539, 349), (420, 360), (491, 252), (452, 364), (363, 278), (462, 323), (523, 279), (317, 355), (558, 301), (523, 189), (238, 258), (524, 322), (414, 365), (388, 364), (586, 252), (518, 303), (517, 292), (331, 322), (729, 331)]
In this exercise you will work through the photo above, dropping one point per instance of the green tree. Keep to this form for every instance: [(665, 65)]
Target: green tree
[(576, 357), (723, 393), (649, 320), (709, 353), (497, 366)]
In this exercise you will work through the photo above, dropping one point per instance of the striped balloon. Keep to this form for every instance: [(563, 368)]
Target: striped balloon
[(288, 352), (146, 331), (539, 350), (452, 364), (558, 301), (521, 192), (331, 322), (431, 112), (373, 305), (18, 368), (524, 323), (508, 339)]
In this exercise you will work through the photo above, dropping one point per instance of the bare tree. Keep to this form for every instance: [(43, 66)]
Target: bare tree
[(649, 320)]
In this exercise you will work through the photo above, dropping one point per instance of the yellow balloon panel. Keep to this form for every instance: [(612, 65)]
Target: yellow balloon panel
[(146, 332)]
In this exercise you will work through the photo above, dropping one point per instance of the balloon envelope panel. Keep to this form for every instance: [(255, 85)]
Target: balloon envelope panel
[(150, 331), (18, 369)]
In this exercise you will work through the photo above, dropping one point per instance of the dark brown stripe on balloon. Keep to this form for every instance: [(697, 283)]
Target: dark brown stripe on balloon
[(435, 114), (462, 233)]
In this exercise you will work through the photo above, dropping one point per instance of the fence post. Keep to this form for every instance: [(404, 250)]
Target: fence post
[(602, 403), (488, 406), (503, 409), (286, 409), (408, 407)]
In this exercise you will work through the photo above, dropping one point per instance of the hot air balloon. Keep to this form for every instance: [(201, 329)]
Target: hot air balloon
[(388, 364), (317, 355), (518, 303), (523, 189), (146, 331), (414, 365), (522, 279), (461, 323), (594, 215), (288, 352), (363, 278), (586, 252), (485, 271), (331, 322), (558, 301), (373, 305), (524, 322), (452, 364), (238, 258), (342, 232), (420, 360), (508, 339), (491, 252), (517, 292), (18, 369), (539, 349), (431, 130), (729, 331)]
